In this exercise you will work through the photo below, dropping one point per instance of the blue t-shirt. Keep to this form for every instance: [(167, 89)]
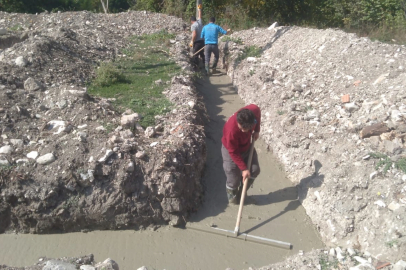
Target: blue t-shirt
[(210, 33)]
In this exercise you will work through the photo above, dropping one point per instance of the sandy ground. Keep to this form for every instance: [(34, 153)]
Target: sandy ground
[(277, 215)]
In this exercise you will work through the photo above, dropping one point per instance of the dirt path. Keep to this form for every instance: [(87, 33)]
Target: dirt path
[(277, 215)]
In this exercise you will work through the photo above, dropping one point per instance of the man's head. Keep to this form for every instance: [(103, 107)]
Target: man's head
[(212, 20), (245, 120), (192, 19)]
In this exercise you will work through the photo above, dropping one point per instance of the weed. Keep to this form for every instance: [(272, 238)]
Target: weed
[(252, 72), (401, 164), (108, 126), (309, 108), (249, 51), (384, 161), (108, 74), (392, 243), (147, 61), (16, 28), (281, 112), (327, 264), (235, 40)]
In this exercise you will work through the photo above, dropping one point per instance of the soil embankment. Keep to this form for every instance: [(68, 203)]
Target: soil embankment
[(333, 103)]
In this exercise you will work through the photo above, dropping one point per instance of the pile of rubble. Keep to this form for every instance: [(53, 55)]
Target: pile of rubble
[(83, 263), (334, 113), (70, 161)]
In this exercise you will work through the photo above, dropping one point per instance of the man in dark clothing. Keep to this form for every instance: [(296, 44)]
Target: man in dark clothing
[(197, 42), (210, 33), (236, 141)]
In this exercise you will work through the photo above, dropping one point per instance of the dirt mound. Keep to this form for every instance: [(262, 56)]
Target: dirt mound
[(69, 161), (300, 80)]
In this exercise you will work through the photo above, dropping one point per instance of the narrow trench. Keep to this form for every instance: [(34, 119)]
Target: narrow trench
[(277, 214)]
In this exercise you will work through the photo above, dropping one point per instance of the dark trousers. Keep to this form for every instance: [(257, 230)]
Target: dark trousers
[(211, 48), (233, 173), (197, 45)]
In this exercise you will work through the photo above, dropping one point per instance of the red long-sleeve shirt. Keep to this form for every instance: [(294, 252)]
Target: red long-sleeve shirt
[(236, 141)]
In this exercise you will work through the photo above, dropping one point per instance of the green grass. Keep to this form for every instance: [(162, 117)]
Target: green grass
[(235, 40), (16, 28), (327, 264), (280, 112), (392, 243), (249, 51), (386, 162), (131, 79)]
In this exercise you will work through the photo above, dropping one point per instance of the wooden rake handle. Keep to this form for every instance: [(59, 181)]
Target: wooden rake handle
[(244, 189), (199, 51)]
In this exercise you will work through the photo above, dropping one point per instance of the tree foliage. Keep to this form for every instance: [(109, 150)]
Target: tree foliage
[(362, 15)]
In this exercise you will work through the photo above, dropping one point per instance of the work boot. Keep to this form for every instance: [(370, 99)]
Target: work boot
[(232, 195), (207, 69)]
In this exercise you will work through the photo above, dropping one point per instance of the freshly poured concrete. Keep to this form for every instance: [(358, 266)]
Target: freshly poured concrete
[(277, 214)]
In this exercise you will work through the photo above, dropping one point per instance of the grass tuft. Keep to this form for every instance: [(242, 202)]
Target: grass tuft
[(249, 51)]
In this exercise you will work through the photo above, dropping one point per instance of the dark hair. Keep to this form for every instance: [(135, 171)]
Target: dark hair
[(246, 118), (193, 18), (212, 19)]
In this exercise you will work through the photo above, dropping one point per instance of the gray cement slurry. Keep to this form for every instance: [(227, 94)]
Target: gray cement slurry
[(277, 214)]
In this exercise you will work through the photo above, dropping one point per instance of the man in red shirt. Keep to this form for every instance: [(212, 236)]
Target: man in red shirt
[(236, 141)]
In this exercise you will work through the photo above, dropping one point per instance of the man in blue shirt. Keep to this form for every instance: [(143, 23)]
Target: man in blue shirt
[(210, 34)]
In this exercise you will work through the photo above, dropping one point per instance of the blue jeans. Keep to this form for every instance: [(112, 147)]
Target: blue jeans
[(211, 48)]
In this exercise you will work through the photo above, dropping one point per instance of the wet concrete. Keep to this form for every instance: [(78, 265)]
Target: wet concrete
[(277, 214)]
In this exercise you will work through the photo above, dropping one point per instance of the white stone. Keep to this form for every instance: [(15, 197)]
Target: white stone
[(21, 61), (22, 161), (31, 84), (351, 251), (87, 267), (142, 268), (251, 59), (332, 252), (130, 120), (400, 265), (57, 126), (109, 152), (360, 260), (101, 128), (153, 144), (191, 104), (17, 142), (140, 154), (373, 175), (32, 155), (393, 206), (273, 26), (7, 149), (380, 203), (82, 126), (149, 132), (58, 265), (46, 159), (396, 116), (351, 107)]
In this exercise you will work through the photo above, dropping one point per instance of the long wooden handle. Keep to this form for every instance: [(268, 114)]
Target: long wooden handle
[(198, 51), (244, 190)]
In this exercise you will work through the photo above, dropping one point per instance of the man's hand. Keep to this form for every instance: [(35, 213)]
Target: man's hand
[(191, 44), (245, 175), (255, 135)]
